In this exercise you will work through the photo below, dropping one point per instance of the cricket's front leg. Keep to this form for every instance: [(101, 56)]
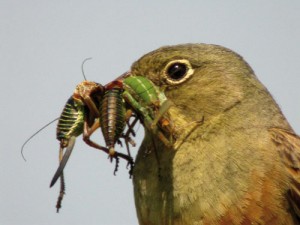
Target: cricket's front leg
[(146, 117)]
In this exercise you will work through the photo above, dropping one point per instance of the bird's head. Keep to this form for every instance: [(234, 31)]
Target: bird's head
[(200, 79)]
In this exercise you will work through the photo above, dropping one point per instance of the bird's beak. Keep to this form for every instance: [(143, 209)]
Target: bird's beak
[(119, 79)]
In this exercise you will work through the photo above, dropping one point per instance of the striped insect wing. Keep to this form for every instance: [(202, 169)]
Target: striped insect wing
[(71, 120), (112, 116)]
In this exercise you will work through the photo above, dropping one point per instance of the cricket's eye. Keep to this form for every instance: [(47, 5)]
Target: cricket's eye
[(178, 71)]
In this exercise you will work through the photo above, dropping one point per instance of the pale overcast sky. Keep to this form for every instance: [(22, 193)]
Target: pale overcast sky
[(42, 45)]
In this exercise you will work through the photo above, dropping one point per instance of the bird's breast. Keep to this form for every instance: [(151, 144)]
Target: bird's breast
[(215, 180)]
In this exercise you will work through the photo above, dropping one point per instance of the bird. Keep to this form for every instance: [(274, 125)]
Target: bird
[(239, 165)]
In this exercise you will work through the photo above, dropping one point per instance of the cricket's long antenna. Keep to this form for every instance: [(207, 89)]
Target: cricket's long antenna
[(22, 148), (82, 67)]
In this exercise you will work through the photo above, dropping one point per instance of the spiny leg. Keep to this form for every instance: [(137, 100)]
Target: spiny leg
[(116, 166), (62, 184), (61, 193), (147, 120), (129, 131), (128, 115), (127, 138), (160, 113), (87, 132)]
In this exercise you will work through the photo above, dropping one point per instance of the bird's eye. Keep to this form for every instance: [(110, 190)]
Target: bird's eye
[(177, 71)]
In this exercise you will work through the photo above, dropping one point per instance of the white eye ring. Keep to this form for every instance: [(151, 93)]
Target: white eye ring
[(177, 71)]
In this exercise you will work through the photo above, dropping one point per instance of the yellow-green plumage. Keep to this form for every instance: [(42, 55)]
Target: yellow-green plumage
[(229, 169)]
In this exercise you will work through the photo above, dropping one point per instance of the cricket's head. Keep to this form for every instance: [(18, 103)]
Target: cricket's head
[(87, 89)]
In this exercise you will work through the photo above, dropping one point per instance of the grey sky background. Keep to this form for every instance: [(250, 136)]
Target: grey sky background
[(42, 46)]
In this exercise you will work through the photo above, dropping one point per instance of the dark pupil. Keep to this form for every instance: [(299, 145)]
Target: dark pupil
[(177, 71)]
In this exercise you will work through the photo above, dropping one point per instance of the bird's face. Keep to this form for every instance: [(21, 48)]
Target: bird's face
[(203, 80)]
